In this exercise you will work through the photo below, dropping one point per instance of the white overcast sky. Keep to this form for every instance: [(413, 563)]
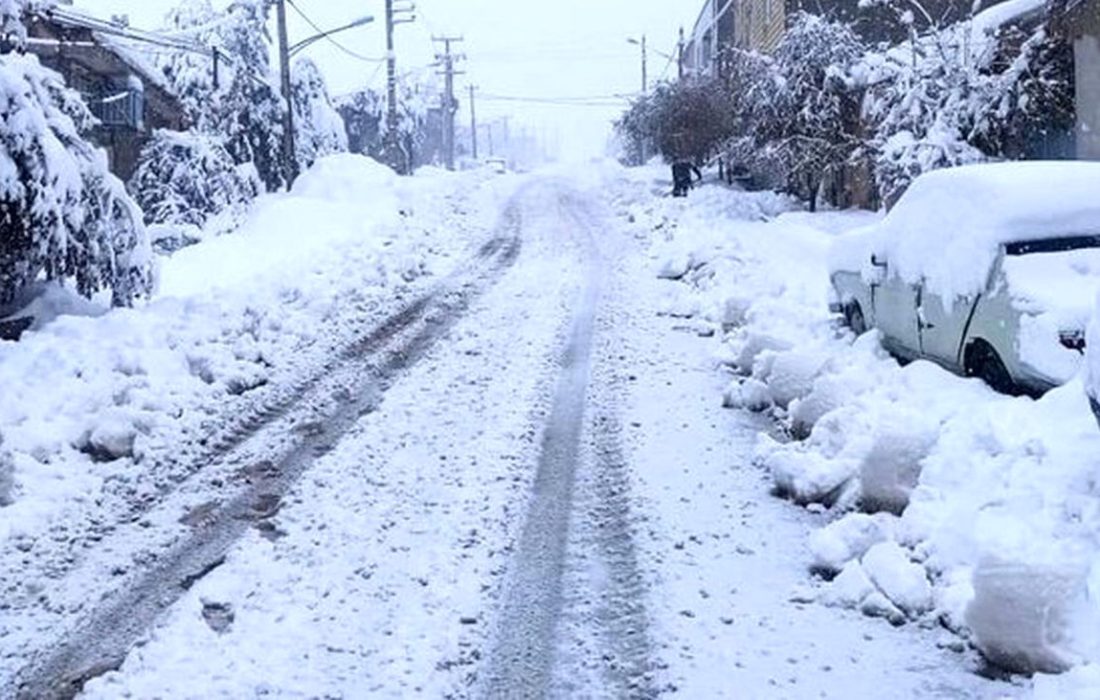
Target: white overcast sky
[(515, 48)]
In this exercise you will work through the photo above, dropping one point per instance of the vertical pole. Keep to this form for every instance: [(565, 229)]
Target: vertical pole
[(473, 122), (645, 91), (391, 145), (290, 160), (680, 54), (449, 107)]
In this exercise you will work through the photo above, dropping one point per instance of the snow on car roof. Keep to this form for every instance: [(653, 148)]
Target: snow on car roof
[(948, 226)]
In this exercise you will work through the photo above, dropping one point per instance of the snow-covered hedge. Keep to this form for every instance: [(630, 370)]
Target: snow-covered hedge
[(183, 179)]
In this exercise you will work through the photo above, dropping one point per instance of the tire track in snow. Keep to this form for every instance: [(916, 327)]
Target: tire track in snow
[(99, 641), (526, 660)]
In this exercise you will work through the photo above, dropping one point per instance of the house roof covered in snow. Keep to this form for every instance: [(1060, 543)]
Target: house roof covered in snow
[(68, 40)]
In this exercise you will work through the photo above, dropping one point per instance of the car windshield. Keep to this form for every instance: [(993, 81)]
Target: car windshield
[(1056, 273), (1052, 245)]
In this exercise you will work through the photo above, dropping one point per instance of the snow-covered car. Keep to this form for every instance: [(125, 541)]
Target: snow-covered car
[(1092, 355), (988, 270)]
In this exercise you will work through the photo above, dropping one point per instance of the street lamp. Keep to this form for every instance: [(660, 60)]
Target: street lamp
[(305, 43), (645, 76), (290, 163)]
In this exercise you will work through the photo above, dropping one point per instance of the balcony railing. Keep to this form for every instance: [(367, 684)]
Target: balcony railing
[(123, 109)]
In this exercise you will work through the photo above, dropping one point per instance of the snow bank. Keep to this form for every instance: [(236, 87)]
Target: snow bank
[(98, 402), (347, 178), (944, 500)]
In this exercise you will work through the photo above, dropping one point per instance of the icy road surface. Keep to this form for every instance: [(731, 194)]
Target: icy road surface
[(545, 500)]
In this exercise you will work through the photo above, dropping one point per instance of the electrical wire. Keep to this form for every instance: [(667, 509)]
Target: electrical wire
[(602, 101), (326, 36)]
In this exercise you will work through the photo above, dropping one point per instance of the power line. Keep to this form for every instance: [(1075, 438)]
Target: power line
[(584, 98), (328, 37), (602, 102)]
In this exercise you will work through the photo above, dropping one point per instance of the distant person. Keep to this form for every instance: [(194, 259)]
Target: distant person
[(682, 181)]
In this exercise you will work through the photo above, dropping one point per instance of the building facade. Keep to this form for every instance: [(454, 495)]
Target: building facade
[(713, 31), (128, 98), (1084, 30)]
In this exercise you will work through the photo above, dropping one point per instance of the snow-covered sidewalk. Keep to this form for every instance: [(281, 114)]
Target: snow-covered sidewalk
[(107, 415), (939, 502)]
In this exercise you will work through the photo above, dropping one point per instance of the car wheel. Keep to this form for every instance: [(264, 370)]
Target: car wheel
[(983, 362), (853, 317)]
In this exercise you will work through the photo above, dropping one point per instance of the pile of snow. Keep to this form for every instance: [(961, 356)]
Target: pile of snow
[(942, 499)]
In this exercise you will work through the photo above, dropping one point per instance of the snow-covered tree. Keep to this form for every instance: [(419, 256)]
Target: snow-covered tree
[(686, 120), (957, 95), (245, 110), (364, 114), (319, 129), (1032, 113), (191, 75), (816, 111), (63, 215), (250, 110), (185, 178)]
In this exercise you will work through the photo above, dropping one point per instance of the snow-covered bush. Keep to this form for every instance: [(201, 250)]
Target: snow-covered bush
[(63, 215), (185, 178), (319, 129)]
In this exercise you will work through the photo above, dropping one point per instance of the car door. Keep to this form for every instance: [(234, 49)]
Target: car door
[(895, 302), (942, 325)]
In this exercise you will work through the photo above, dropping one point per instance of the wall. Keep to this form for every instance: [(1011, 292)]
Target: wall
[(1087, 59)]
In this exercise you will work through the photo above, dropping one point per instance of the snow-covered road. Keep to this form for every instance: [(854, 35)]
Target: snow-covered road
[(529, 491)]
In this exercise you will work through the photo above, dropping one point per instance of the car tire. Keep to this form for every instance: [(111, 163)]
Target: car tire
[(983, 362), (854, 319)]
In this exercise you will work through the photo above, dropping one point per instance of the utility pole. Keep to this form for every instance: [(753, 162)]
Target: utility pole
[(645, 69), (680, 54), (290, 156), (394, 154), (450, 104), (473, 122)]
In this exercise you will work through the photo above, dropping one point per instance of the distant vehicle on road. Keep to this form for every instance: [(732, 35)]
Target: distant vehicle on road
[(988, 270), (498, 165)]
